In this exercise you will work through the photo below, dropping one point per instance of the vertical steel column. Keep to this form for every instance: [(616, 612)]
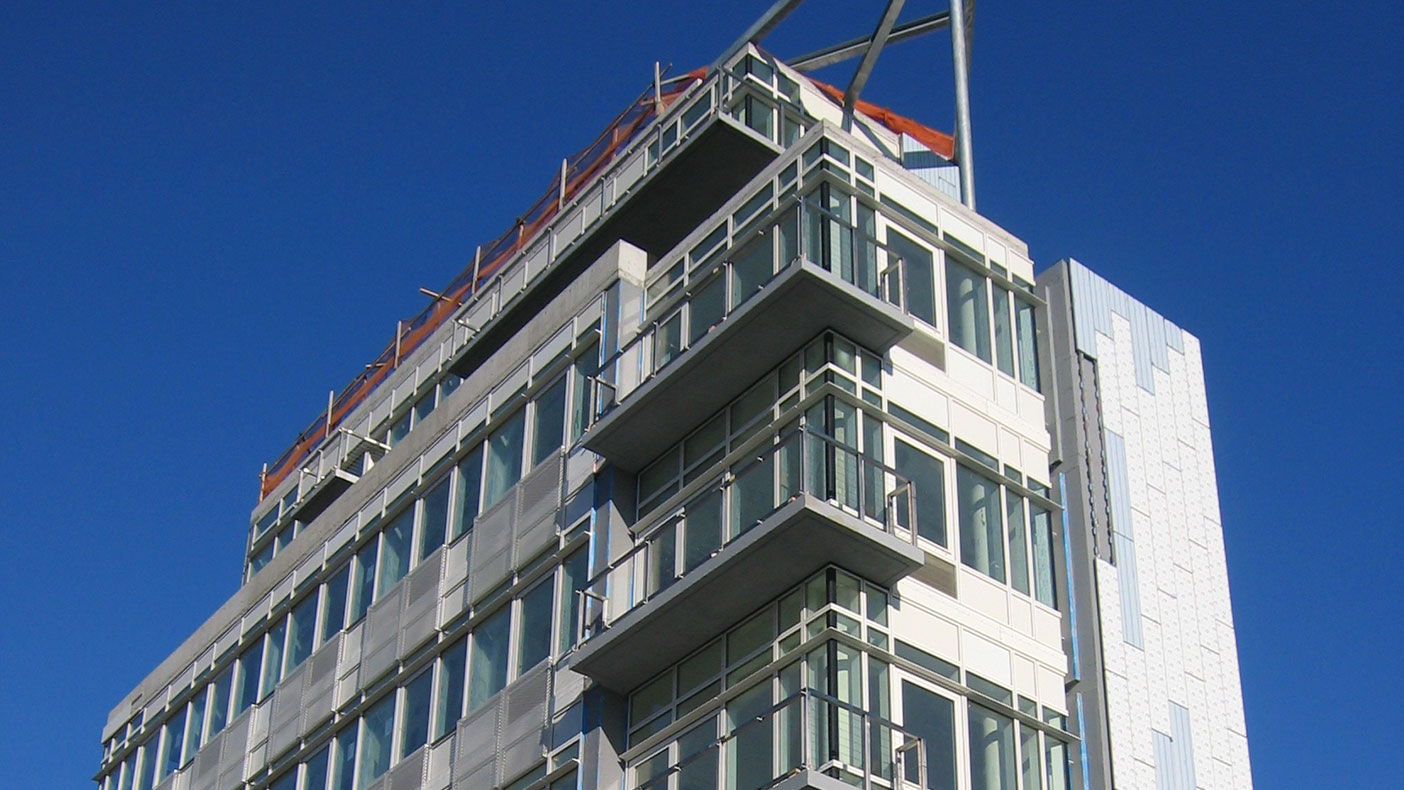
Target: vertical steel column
[(960, 57)]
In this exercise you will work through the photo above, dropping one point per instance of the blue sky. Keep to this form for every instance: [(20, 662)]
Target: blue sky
[(210, 215)]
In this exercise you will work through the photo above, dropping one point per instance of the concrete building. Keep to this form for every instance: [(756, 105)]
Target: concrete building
[(729, 467)]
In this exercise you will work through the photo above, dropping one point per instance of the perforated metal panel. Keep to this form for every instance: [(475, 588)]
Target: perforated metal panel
[(421, 603), (321, 678), (382, 636), (286, 722), (205, 773), (492, 548), (409, 774), (233, 752), (475, 748), (524, 722)]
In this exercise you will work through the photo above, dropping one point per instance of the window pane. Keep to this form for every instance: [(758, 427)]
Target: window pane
[(534, 637), (146, 779), (749, 754), (981, 544), (316, 774), (1004, 333), (751, 269), (752, 495), (932, 718), (171, 741), (575, 570), (968, 309), (334, 613), (303, 620), (377, 728), (582, 402), (1018, 553), (991, 750), (1042, 555), (433, 518), (273, 658), (1028, 344), (219, 701), (470, 478), (364, 591), (288, 781), (249, 664), (1056, 758), (345, 766), (708, 308), (415, 729), (488, 669), (1028, 758), (448, 704), (504, 463), (394, 551), (928, 478), (703, 527), (548, 430), (195, 725), (917, 270)]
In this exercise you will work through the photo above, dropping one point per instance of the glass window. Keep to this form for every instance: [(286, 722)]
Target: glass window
[(1028, 758), (1056, 758), (262, 558), (219, 700), (708, 307), (981, 544), (433, 518), (399, 430), (146, 779), (575, 571), (488, 669), (344, 769), (931, 717), (334, 613), (448, 703), (273, 658), (1043, 553), (470, 478), (991, 750), (364, 591), (582, 408), (968, 309), (751, 268), (534, 628), (1028, 343), (315, 777), (928, 478), (171, 741), (1004, 332), (302, 623), (288, 781), (395, 551), (195, 725), (1018, 542), (504, 461), (548, 429), (247, 690), (377, 728), (414, 729), (919, 276)]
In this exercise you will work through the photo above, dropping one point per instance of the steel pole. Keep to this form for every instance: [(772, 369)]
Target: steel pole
[(960, 57)]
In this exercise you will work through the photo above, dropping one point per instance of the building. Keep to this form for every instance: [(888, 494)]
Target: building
[(730, 466)]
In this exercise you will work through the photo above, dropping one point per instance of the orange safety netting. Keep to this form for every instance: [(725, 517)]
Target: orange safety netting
[(581, 168)]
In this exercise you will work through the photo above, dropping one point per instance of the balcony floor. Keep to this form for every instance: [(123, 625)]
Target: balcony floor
[(802, 301), (797, 540)]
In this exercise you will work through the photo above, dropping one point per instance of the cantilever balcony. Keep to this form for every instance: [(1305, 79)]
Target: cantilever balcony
[(741, 309), (792, 505)]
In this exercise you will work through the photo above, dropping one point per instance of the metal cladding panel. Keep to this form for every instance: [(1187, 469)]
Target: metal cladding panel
[(205, 772), (491, 560), (321, 678), (438, 769), (233, 754), (286, 724), (1166, 777), (418, 623), (1118, 487), (409, 774), (1183, 745), (475, 748), (539, 493), (382, 636)]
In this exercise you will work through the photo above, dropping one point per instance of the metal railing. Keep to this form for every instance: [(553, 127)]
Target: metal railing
[(744, 495), (808, 730), (797, 233)]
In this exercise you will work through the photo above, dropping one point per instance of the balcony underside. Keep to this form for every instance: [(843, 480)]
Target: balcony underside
[(801, 537), (801, 302), (710, 168)]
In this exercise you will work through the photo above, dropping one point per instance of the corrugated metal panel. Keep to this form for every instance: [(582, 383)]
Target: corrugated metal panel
[(1166, 777), (1174, 337), (1130, 589)]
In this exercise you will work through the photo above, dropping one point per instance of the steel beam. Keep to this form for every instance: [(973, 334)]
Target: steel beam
[(960, 57), (855, 47), (870, 56), (757, 31)]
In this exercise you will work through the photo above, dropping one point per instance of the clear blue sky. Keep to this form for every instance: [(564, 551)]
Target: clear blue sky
[(211, 216)]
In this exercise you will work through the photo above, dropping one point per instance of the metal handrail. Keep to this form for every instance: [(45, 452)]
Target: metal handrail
[(645, 573), (814, 708)]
